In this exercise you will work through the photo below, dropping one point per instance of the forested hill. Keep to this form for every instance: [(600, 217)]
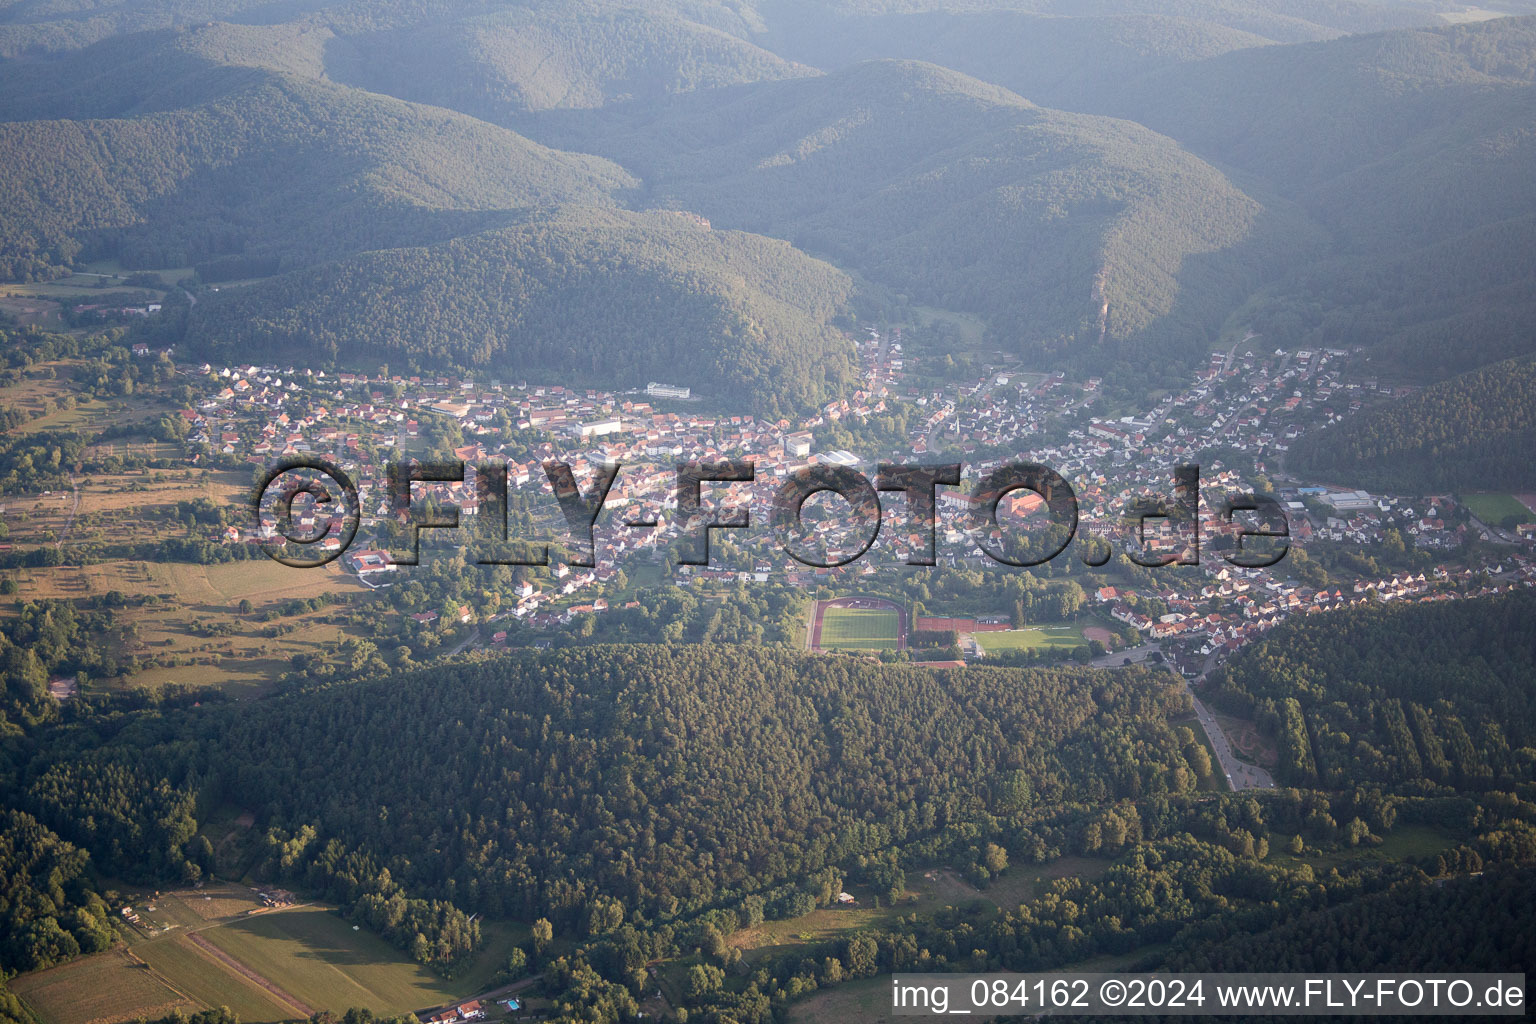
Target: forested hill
[(1468, 924), (1413, 149), (1421, 695), (615, 297), (668, 779), (1072, 54), (1067, 232), (276, 173), (1473, 432), (515, 60)]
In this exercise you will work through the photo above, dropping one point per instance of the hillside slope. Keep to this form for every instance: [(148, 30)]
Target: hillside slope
[(563, 55), (276, 172), (612, 297), (1472, 432), (1414, 149), (1070, 233), (666, 778)]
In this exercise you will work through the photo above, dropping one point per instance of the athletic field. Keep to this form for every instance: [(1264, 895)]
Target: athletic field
[(1032, 637), (852, 629), (1493, 509)]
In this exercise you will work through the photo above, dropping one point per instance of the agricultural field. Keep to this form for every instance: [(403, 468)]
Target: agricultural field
[(927, 891), (216, 946), (194, 629), (210, 983), (844, 629), (1494, 509), (865, 1000), (320, 960), (102, 989), (123, 508), (1032, 638)]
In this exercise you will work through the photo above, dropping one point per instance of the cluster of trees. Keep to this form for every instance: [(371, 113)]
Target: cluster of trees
[(49, 911), (433, 932), (1397, 694), (747, 615), (1465, 924), (1462, 434), (53, 638)]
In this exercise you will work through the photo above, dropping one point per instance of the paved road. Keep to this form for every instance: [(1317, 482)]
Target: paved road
[(1240, 774), (473, 640), (1115, 659)]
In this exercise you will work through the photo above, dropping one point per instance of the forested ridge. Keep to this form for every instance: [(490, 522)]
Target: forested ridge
[(663, 777), (1456, 435), (1409, 148), (616, 297), (1069, 234), (276, 174), (1417, 696), (1375, 194)]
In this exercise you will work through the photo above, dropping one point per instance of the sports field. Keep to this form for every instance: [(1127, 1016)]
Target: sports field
[(1493, 509), (860, 629), (1031, 637)]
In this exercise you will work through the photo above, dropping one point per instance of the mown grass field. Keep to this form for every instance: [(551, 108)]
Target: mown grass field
[(1493, 509), (101, 989), (867, 1000), (1032, 637), (317, 957), (309, 956), (209, 982), (855, 629)]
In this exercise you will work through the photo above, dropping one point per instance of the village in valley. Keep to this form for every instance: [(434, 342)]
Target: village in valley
[(1245, 409), (219, 612), (1236, 418)]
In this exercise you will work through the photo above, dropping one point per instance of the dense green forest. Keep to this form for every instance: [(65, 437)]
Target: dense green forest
[(1466, 924), (48, 911), (1457, 435), (646, 801), (1066, 232), (1411, 149), (668, 778), (618, 298), (1420, 696), (275, 174), (514, 60)]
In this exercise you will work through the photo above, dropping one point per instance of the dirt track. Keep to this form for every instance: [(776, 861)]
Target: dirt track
[(250, 975)]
